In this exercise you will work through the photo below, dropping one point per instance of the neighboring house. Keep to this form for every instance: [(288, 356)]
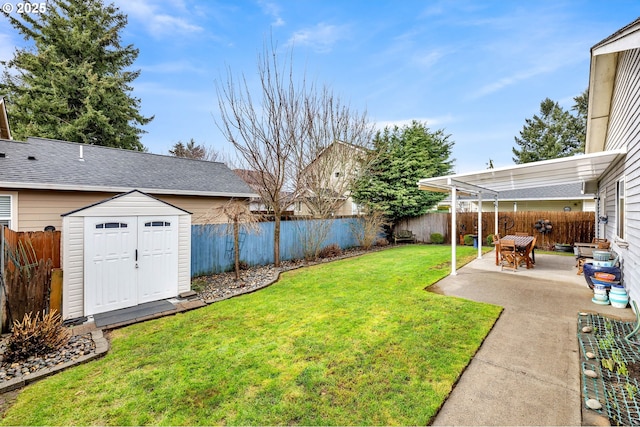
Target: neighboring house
[(5, 133), (41, 179), (563, 197), (254, 180), (326, 182)]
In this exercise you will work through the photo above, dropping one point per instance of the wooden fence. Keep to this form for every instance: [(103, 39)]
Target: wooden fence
[(212, 246), (27, 261), (567, 227)]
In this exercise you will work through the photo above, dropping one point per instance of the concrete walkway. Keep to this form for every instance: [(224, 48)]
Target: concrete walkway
[(527, 371)]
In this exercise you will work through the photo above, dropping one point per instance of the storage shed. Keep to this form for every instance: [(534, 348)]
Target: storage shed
[(124, 251)]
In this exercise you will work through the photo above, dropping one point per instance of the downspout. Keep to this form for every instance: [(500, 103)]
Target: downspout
[(454, 234), (598, 214), (479, 238)]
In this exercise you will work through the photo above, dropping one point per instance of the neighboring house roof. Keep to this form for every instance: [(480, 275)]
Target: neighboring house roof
[(547, 192), (60, 165), (337, 144), (251, 177), (5, 132)]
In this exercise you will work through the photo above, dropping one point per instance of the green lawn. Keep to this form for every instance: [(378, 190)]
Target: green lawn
[(352, 342)]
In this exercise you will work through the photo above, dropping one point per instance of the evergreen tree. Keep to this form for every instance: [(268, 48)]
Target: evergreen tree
[(580, 118), (191, 150), (554, 133), (402, 156), (74, 83)]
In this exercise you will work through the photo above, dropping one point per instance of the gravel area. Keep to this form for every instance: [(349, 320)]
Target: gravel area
[(77, 346), (224, 285)]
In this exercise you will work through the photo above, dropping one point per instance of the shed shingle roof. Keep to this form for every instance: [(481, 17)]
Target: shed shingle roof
[(51, 164)]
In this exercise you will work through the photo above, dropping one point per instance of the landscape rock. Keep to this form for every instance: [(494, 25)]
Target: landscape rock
[(590, 373), (594, 404)]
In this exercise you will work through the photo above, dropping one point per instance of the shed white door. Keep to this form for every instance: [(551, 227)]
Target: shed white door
[(129, 261), (157, 258)]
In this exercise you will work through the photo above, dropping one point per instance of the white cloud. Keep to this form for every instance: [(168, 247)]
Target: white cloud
[(428, 59), (173, 67), (506, 81), (320, 38), (160, 18), (273, 10), (7, 47), (167, 92), (431, 121)]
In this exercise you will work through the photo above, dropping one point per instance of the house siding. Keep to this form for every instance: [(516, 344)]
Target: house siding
[(624, 131), (37, 209)]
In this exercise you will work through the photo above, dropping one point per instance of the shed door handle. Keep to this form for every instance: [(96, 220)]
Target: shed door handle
[(136, 255)]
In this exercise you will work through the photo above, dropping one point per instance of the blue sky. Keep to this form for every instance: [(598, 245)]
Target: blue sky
[(476, 69)]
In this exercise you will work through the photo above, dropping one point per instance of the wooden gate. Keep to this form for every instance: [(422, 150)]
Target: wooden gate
[(27, 260)]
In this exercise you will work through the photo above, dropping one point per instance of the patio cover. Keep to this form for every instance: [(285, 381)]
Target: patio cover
[(584, 168)]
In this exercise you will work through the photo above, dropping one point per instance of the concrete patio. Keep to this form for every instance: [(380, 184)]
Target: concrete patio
[(527, 370)]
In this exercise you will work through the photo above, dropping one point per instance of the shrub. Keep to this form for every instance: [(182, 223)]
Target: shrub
[(367, 228), (437, 238), (199, 284), (468, 239), (36, 337), (330, 251), (490, 239), (382, 242)]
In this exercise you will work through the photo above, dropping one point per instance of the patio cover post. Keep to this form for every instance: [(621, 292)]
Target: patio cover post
[(454, 235), (479, 238), (495, 220)]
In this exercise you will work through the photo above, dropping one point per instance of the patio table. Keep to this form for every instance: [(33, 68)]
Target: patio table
[(522, 242)]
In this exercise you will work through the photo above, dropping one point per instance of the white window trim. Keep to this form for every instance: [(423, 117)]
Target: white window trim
[(13, 200)]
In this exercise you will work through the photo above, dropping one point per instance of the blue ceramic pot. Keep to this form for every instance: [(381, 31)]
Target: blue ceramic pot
[(589, 270)]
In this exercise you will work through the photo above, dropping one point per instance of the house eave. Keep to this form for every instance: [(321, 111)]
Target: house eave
[(117, 189), (602, 74)]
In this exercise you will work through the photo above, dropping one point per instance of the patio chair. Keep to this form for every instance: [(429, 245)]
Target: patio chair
[(508, 255), (496, 244), (524, 255)]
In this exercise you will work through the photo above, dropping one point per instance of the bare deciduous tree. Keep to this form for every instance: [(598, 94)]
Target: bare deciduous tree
[(329, 159), (283, 131), (237, 214), (266, 131)]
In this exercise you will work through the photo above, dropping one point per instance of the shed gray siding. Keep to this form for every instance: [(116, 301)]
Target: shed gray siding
[(624, 131)]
